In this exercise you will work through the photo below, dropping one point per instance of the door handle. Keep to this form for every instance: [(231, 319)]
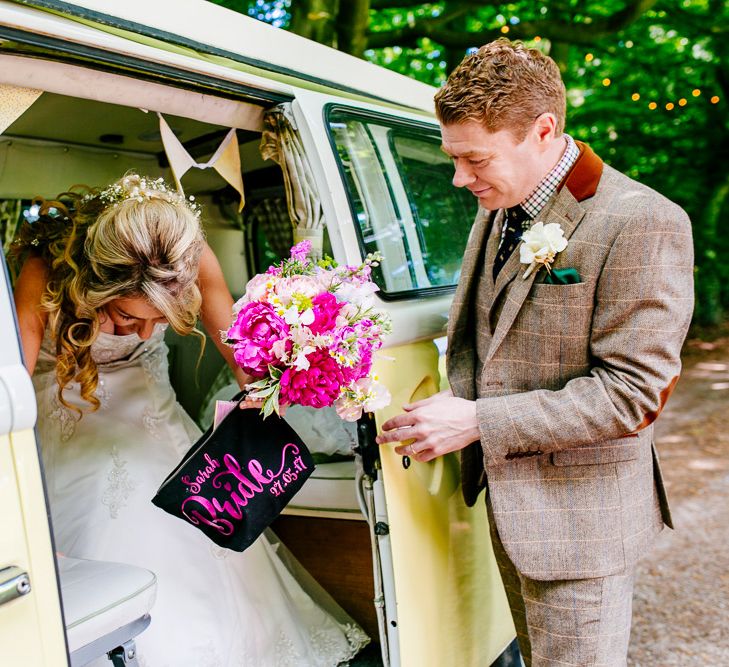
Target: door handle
[(14, 583)]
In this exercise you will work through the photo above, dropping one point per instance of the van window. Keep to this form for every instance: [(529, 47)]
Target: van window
[(402, 200)]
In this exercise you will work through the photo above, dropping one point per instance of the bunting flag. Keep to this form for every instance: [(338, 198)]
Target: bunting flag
[(225, 160), (14, 102)]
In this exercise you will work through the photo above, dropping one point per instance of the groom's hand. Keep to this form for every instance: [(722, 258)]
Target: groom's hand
[(432, 427)]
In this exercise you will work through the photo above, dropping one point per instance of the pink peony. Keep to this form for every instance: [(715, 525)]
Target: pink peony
[(326, 309), (256, 287), (254, 333), (318, 386), (307, 286)]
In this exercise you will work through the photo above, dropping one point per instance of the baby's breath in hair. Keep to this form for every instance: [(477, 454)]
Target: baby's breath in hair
[(139, 189)]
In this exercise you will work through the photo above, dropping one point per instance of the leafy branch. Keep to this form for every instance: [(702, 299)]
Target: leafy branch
[(435, 28)]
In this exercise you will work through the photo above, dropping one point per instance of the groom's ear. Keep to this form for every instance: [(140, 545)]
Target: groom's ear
[(545, 128)]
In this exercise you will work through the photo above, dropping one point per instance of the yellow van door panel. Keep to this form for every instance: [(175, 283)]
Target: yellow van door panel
[(31, 626), (451, 605)]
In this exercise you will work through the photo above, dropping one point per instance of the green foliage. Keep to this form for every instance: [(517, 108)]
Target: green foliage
[(275, 13), (608, 51)]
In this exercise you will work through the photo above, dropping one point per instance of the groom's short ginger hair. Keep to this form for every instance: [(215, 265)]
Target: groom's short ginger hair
[(504, 86)]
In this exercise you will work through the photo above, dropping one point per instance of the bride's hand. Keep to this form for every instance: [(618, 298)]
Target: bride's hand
[(257, 403), (247, 403)]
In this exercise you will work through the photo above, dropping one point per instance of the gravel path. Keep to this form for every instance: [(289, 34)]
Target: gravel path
[(681, 606)]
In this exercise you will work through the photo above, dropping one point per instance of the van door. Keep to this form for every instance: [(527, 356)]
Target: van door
[(31, 624), (386, 186)]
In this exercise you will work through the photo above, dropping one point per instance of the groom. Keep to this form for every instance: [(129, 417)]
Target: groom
[(558, 373)]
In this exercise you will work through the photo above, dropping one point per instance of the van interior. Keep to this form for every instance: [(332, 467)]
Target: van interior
[(60, 141)]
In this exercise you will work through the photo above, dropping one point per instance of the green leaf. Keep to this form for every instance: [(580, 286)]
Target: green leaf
[(267, 408), (263, 393)]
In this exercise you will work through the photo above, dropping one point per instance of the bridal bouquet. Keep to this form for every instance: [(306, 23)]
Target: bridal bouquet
[(307, 331)]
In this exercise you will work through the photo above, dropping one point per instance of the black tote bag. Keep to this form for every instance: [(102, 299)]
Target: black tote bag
[(236, 479)]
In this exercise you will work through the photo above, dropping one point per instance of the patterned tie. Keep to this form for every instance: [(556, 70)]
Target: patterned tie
[(515, 218)]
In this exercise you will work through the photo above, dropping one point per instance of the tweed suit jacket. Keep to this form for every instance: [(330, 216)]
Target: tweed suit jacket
[(574, 375)]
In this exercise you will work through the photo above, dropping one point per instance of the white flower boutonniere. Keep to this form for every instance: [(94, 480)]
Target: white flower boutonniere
[(540, 245)]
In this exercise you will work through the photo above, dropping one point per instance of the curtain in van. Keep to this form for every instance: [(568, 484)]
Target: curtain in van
[(282, 144)]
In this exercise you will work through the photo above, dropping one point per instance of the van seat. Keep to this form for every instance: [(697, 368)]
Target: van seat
[(105, 605), (331, 489)]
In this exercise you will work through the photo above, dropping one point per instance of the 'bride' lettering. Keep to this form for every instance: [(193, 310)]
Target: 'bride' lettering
[(241, 485), (211, 519)]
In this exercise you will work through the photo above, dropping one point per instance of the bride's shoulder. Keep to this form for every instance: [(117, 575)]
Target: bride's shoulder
[(31, 283), (32, 318)]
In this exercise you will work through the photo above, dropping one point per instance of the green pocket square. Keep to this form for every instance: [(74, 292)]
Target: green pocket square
[(567, 276)]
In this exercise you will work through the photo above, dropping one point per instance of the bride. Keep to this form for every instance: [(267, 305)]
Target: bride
[(102, 278)]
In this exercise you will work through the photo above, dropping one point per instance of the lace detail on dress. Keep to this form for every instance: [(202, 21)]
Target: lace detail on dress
[(357, 639), (107, 347), (325, 645), (153, 363), (120, 485), (64, 417), (286, 654), (152, 422), (103, 394), (328, 648)]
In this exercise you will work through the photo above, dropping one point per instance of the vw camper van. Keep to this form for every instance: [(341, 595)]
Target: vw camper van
[(324, 147)]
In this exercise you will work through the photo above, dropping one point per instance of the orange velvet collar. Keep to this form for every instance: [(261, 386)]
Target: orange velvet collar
[(583, 178)]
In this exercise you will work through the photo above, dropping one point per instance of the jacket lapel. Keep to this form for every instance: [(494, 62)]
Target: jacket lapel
[(565, 209)]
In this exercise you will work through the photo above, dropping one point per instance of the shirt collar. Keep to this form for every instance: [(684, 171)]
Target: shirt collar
[(539, 197)]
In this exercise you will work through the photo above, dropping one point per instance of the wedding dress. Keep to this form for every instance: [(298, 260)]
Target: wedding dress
[(214, 607)]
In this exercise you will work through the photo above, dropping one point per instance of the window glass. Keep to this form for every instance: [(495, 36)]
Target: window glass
[(401, 193)]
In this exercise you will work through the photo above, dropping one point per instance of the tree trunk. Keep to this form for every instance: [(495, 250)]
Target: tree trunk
[(454, 55), (352, 22), (708, 275), (315, 19)]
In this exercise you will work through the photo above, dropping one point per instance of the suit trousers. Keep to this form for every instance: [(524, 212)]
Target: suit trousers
[(573, 622)]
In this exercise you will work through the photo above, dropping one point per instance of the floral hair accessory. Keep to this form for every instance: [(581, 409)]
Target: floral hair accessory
[(540, 246), (139, 188)]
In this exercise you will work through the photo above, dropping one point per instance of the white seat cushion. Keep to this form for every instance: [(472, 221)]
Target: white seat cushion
[(330, 488), (100, 597)]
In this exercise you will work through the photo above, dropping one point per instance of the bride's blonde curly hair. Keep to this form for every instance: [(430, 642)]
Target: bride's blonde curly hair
[(136, 238)]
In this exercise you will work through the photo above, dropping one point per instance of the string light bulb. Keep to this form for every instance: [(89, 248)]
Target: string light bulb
[(589, 57), (504, 29), (606, 82), (696, 92), (714, 100), (652, 105), (682, 102), (669, 106), (537, 39), (635, 97)]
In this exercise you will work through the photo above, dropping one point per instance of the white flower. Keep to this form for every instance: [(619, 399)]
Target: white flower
[(540, 245), (378, 397), (301, 363), (292, 316), (366, 394), (358, 294), (279, 350)]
